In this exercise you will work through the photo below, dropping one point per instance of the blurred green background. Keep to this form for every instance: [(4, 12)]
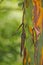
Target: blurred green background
[(10, 19)]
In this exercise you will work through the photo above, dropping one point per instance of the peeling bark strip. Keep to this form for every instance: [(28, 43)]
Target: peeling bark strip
[(23, 35), (35, 42), (36, 53), (36, 14), (24, 58), (36, 10)]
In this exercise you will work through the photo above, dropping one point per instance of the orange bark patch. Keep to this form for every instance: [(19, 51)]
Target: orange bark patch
[(41, 57)]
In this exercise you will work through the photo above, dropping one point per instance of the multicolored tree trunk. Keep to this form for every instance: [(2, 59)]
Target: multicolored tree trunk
[(35, 31), (37, 21)]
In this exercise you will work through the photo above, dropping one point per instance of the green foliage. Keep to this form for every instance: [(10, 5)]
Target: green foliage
[(9, 40)]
